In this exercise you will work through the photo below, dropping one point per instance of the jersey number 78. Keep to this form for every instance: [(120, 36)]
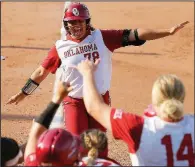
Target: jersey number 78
[(94, 55)]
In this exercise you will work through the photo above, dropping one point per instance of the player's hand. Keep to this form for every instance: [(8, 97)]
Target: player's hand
[(176, 28), (16, 98), (87, 66), (62, 91)]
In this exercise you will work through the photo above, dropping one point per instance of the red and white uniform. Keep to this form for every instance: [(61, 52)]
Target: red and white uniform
[(98, 43), (98, 162), (112, 40), (72, 53), (154, 142)]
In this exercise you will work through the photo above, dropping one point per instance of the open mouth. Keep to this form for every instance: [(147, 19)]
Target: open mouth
[(76, 31)]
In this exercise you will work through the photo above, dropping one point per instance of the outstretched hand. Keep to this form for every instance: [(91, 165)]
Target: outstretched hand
[(62, 91), (176, 28), (87, 66), (16, 98)]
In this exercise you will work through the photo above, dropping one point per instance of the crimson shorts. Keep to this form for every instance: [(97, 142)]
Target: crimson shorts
[(78, 120)]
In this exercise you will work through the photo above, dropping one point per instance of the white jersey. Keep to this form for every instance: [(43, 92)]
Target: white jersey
[(153, 141), (165, 144), (72, 53), (98, 162)]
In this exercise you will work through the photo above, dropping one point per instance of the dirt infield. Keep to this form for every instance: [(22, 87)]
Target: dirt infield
[(29, 29)]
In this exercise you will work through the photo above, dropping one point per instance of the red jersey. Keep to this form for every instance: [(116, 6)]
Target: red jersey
[(31, 160)]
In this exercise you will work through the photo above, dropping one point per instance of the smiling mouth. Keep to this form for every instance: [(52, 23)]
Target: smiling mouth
[(77, 36), (76, 31)]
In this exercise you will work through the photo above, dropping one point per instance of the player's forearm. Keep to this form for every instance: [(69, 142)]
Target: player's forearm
[(92, 99), (35, 132), (33, 82), (62, 91), (39, 74), (149, 34), (40, 124), (94, 103)]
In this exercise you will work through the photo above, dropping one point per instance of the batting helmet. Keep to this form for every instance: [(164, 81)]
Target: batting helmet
[(57, 146), (76, 11)]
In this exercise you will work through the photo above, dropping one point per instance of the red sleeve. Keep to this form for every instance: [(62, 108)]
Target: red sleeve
[(127, 127), (112, 39), (52, 61), (31, 160)]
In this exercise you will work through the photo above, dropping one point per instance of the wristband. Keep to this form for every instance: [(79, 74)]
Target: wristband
[(47, 115), (29, 87)]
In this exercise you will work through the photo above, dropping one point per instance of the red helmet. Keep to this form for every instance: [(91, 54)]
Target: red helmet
[(57, 146), (76, 11)]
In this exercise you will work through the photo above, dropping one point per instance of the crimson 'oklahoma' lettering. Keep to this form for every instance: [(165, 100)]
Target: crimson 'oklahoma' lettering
[(80, 50)]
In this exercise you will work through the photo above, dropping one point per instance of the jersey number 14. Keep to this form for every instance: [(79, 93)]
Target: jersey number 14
[(186, 143)]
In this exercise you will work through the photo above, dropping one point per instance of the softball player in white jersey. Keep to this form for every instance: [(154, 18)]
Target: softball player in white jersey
[(163, 140)]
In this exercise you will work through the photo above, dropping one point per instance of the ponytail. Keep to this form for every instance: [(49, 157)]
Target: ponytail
[(94, 140), (172, 109), (92, 155)]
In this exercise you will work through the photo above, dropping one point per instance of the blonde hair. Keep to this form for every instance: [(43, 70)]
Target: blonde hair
[(94, 140), (168, 94)]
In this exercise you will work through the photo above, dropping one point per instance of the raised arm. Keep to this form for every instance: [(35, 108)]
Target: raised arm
[(50, 64), (42, 122), (94, 103), (32, 83), (152, 34)]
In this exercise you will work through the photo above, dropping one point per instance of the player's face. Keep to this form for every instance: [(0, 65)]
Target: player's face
[(77, 28)]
